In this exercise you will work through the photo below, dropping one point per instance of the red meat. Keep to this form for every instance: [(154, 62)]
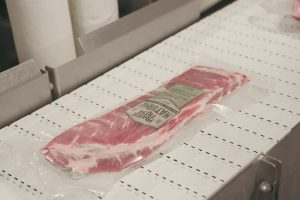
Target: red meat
[(116, 140), (296, 9)]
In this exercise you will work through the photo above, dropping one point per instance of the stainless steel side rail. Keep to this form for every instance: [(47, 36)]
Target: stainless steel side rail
[(123, 39), (28, 88)]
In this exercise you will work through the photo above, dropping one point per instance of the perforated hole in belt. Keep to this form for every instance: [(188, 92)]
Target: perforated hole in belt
[(9, 177)]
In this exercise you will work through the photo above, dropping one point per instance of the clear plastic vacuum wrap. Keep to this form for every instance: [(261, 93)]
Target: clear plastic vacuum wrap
[(277, 16), (129, 134), (90, 157)]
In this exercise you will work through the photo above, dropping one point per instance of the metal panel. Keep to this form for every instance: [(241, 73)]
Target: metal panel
[(244, 185), (148, 26), (25, 98), (207, 4), (18, 75), (288, 151), (123, 39)]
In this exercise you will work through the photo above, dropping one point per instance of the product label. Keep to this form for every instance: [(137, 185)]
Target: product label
[(158, 110)]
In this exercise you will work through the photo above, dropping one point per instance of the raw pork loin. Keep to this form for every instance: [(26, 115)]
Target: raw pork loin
[(130, 133), (296, 9)]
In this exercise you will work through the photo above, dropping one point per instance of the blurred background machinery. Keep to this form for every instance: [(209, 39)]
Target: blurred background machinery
[(8, 54)]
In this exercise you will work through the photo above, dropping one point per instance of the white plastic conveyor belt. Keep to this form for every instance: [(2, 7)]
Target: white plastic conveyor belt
[(246, 38)]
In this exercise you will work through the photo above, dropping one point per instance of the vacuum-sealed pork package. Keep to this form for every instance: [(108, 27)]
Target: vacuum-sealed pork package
[(131, 133)]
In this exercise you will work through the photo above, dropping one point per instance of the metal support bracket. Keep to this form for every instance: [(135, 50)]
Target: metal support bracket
[(257, 181), (267, 178)]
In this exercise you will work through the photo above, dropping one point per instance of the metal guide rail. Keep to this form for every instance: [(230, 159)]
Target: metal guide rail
[(243, 37)]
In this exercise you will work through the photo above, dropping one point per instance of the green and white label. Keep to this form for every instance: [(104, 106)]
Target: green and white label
[(158, 110)]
